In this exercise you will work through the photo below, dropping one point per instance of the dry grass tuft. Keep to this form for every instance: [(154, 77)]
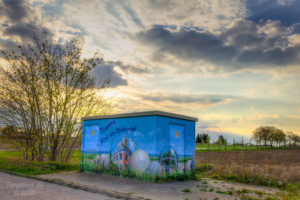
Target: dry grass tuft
[(263, 167)]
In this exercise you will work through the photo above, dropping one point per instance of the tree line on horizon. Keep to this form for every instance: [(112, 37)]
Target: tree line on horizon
[(203, 138), (263, 136), (270, 135)]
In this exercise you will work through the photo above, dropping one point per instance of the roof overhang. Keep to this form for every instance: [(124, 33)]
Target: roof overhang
[(141, 114)]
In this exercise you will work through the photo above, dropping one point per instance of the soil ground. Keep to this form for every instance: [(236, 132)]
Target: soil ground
[(278, 164), (276, 156)]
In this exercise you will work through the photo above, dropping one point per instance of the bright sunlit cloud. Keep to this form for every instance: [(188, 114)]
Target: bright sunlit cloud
[(233, 64)]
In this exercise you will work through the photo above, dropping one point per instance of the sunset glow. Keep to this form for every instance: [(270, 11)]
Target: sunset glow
[(233, 64)]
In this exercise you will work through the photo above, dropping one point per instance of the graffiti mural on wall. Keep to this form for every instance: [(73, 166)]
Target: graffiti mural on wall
[(126, 147)]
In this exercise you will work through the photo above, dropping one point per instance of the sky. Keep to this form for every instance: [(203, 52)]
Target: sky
[(233, 64)]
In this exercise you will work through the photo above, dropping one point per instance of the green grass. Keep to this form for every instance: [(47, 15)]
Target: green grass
[(259, 193), (243, 191), (229, 192), (12, 161), (186, 190), (215, 147)]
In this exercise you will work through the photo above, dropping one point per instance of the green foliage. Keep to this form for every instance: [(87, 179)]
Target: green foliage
[(243, 191), (259, 193), (186, 190), (9, 131), (12, 161), (229, 192), (221, 140), (202, 138), (272, 135), (290, 187), (236, 147)]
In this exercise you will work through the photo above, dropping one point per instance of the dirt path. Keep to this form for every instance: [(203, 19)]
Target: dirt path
[(193, 190)]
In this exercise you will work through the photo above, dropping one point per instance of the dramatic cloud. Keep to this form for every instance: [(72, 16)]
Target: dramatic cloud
[(128, 68), (109, 70), (22, 22), (181, 98), (105, 71), (209, 15), (15, 10), (26, 31), (243, 45), (200, 58)]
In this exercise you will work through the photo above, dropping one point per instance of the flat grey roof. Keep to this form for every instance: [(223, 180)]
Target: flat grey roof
[(140, 114)]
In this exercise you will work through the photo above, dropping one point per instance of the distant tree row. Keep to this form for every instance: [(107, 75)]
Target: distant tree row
[(202, 138), (270, 135), (221, 140)]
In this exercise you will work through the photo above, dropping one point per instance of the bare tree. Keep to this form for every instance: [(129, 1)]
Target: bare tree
[(46, 88), (293, 138), (279, 136), (262, 133), (269, 134)]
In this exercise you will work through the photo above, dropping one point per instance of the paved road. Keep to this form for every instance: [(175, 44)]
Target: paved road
[(15, 187)]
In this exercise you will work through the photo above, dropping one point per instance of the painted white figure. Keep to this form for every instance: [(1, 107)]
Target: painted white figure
[(188, 165), (139, 161), (181, 167), (97, 160), (155, 168), (104, 160)]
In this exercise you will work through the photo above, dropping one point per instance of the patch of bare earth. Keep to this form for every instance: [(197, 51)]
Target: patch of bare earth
[(277, 164)]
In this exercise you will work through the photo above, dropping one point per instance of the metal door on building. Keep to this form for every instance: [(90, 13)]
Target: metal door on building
[(176, 134)]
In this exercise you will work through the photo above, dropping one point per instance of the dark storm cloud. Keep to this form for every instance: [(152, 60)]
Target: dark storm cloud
[(14, 10), (106, 71), (21, 20), (245, 45), (178, 98), (187, 44), (246, 34), (25, 30)]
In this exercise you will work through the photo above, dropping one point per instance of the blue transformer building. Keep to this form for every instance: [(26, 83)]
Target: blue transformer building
[(143, 144)]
